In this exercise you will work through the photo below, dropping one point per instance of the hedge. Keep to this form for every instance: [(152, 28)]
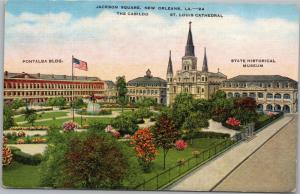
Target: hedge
[(210, 134), (25, 158), (261, 124)]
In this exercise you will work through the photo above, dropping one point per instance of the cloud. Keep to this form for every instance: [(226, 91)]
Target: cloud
[(131, 44)]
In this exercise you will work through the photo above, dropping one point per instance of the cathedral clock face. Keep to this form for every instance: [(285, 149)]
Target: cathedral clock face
[(187, 62), (186, 75)]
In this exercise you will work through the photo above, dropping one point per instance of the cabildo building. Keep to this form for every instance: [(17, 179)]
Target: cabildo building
[(36, 88), (147, 87), (271, 92)]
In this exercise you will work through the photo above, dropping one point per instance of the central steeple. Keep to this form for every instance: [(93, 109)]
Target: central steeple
[(189, 48)]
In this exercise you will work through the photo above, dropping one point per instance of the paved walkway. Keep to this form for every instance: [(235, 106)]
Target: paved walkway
[(30, 148), (219, 128), (208, 176), (271, 169)]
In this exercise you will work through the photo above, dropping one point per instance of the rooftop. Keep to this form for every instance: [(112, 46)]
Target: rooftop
[(259, 78)]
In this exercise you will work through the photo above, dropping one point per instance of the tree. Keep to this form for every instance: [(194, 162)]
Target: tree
[(87, 161), (245, 110), (221, 107), (17, 103), (144, 146), (122, 97), (30, 116), (181, 108), (8, 119), (57, 101), (165, 134), (203, 106), (125, 123), (194, 122), (78, 103), (146, 102)]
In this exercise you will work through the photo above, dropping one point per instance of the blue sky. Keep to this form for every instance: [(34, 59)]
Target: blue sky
[(80, 9)]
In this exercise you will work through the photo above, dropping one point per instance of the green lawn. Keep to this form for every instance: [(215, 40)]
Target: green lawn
[(59, 122), (45, 115), (21, 176)]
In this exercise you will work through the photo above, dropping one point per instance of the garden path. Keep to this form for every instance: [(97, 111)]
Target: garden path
[(147, 124), (69, 115), (30, 148), (219, 128), (206, 177)]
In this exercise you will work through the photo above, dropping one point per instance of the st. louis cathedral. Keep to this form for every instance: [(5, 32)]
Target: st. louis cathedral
[(201, 84)]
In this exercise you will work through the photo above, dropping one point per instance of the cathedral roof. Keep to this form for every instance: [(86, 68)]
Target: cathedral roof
[(260, 78), (205, 67), (170, 66), (110, 84), (189, 48)]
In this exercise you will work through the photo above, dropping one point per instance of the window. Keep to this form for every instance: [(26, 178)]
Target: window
[(286, 96), (269, 95), (252, 95), (202, 90), (260, 95), (237, 95), (277, 96), (244, 94), (230, 95)]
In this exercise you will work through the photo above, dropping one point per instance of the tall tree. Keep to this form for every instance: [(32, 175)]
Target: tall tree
[(165, 134), (195, 121), (181, 108), (122, 98), (8, 119), (30, 115)]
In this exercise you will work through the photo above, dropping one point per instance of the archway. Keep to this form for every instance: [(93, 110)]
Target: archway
[(269, 107), (277, 107), (286, 109), (260, 107)]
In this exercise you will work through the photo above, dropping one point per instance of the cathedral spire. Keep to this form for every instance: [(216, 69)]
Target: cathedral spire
[(170, 66), (189, 48), (205, 67)]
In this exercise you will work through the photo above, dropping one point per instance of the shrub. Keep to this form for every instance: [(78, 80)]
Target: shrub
[(145, 149), (6, 153), (31, 128), (25, 158), (87, 160), (181, 145), (210, 134), (69, 126), (126, 124)]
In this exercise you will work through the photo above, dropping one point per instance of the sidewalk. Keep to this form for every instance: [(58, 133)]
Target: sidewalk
[(208, 176)]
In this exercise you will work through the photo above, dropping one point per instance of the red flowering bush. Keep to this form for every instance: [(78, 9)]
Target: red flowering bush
[(233, 122), (6, 153), (110, 129), (21, 134), (144, 146), (180, 145), (69, 126)]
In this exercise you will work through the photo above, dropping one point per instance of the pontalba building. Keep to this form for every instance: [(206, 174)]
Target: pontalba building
[(198, 83), (147, 87), (36, 88), (271, 92)]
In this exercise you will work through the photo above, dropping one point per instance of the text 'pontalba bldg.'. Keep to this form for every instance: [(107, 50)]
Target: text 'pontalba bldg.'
[(200, 84)]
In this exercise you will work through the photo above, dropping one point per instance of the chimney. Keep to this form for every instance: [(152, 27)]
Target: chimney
[(6, 73), (52, 75), (38, 74), (65, 76)]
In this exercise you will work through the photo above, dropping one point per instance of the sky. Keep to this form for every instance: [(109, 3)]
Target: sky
[(115, 45)]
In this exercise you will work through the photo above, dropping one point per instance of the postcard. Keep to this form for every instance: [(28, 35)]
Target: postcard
[(150, 96)]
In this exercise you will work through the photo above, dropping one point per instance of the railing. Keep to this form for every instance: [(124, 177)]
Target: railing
[(174, 173)]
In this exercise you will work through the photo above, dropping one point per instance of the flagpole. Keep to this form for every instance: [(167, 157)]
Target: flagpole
[(72, 91)]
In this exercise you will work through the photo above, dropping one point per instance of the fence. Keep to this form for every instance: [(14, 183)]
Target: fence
[(170, 175)]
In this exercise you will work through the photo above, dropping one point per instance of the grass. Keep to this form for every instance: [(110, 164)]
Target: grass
[(21, 176), (25, 176), (59, 122), (45, 115)]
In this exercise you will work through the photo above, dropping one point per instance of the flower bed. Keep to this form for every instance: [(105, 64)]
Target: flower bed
[(30, 128)]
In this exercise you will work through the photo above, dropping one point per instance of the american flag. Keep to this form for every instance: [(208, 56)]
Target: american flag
[(82, 65)]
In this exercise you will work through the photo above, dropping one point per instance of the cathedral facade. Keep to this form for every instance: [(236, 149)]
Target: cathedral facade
[(198, 83)]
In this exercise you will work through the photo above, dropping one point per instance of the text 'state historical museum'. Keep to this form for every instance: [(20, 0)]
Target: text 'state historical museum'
[(272, 92)]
